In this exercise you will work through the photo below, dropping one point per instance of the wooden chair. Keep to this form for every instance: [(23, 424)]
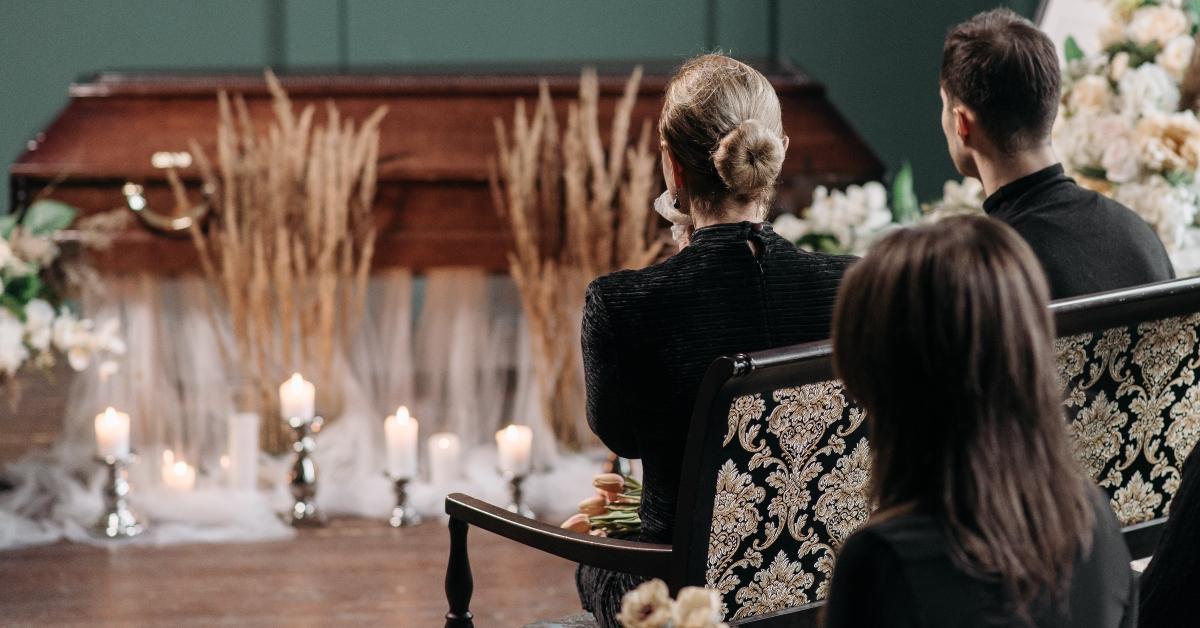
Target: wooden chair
[(777, 460)]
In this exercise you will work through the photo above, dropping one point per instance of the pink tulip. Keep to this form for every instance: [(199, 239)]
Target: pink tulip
[(593, 506), (609, 482), (577, 523)]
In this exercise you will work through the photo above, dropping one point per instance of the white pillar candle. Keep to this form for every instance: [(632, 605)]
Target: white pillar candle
[(401, 432), (514, 444), (297, 398), (179, 476), (112, 434), (443, 458), (243, 451)]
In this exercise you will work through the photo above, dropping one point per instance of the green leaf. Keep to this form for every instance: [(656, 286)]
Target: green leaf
[(905, 208), (1071, 49), (44, 217), (820, 243), (23, 289), (7, 222), (1179, 178), (1194, 7)]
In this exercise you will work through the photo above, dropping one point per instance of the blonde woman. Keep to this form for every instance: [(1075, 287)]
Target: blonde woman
[(735, 286)]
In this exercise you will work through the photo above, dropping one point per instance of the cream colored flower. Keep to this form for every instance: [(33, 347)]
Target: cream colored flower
[(1148, 89), (13, 351), (1169, 142), (1157, 24), (39, 324), (38, 250), (647, 606), (1119, 66), (1176, 56), (697, 607), (1090, 93)]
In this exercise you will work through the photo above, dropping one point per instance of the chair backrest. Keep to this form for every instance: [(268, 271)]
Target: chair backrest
[(777, 461)]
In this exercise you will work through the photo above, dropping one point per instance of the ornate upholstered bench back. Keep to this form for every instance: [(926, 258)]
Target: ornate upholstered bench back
[(784, 461)]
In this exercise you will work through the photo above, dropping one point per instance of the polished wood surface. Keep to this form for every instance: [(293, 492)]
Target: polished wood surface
[(433, 206), (353, 573)]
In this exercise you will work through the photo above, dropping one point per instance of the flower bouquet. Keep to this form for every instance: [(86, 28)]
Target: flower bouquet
[(35, 320), (1126, 126), (650, 606), (613, 511)]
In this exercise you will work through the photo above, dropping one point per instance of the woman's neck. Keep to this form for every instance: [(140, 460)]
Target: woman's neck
[(741, 213)]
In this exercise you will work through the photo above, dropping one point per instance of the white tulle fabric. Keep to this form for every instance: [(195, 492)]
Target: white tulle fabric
[(451, 345)]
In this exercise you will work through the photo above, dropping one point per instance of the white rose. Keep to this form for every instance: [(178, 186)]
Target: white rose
[(39, 324), (1113, 32), (1090, 93), (1118, 66), (1176, 56), (13, 351), (1157, 24), (1169, 142), (698, 607), (1148, 89), (648, 606)]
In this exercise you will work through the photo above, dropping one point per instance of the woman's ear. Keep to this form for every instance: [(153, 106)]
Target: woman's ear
[(786, 140)]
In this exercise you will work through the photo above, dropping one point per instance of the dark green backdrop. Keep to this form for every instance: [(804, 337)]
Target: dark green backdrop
[(878, 58)]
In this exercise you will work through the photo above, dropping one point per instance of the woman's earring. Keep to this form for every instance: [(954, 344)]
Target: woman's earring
[(676, 203)]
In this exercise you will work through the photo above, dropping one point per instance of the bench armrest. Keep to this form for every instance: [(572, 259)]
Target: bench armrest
[(633, 557), (1142, 538)]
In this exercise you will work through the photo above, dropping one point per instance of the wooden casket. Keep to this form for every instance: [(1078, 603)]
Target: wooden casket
[(433, 205)]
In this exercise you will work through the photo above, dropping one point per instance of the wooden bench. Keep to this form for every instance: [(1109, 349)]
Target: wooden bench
[(777, 460)]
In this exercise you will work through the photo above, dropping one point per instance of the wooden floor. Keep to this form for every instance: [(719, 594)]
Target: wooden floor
[(355, 572)]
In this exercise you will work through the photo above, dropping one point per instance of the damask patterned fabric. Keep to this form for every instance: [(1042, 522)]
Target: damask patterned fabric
[(796, 461)]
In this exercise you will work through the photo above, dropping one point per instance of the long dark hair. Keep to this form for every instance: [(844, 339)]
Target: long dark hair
[(942, 333)]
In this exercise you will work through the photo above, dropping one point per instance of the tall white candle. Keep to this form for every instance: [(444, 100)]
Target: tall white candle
[(243, 451), (112, 433), (297, 398), (443, 458), (514, 444), (178, 476), (401, 432)]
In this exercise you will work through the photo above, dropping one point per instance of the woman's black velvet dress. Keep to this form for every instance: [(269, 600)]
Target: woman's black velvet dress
[(650, 334)]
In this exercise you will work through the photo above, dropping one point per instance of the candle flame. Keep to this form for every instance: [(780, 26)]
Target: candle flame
[(402, 414), (295, 381), (444, 442), (180, 467), (224, 462), (168, 457)]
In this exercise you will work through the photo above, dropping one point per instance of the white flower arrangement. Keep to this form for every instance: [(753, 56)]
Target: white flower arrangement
[(848, 221), (34, 323), (1120, 130), (650, 606)]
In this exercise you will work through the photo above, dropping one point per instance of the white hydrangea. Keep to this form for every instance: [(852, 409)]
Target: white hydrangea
[(1148, 89)]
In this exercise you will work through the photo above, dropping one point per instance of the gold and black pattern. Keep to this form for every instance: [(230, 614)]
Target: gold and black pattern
[(793, 488), (794, 484), (1134, 403)]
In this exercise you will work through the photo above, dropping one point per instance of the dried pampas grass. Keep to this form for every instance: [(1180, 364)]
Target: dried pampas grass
[(576, 211), (289, 243)]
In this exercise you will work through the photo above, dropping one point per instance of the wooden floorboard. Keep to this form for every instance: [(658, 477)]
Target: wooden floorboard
[(355, 572)]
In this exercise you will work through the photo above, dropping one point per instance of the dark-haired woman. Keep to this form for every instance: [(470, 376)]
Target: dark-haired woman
[(942, 333), (1172, 581), (649, 335)]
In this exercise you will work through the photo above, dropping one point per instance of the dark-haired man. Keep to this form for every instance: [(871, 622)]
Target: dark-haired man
[(1000, 92)]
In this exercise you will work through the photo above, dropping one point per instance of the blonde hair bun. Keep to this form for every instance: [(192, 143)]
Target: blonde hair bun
[(749, 158)]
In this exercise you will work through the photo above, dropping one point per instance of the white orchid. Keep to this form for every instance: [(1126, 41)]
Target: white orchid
[(13, 351)]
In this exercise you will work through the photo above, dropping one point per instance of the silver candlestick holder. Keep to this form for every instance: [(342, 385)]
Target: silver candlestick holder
[(118, 521), (403, 515), (303, 477), (518, 506)]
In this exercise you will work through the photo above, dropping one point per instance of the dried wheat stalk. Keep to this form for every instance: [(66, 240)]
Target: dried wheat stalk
[(290, 241), (576, 211)]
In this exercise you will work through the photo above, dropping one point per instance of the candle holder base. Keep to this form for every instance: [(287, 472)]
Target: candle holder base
[(403, 515), (118, 521), (517, 505), (303, 477)]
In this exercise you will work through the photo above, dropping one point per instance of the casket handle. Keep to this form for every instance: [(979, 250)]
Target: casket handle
[(135, 200)]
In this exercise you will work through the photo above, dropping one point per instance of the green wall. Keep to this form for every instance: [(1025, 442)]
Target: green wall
[(878, 59)]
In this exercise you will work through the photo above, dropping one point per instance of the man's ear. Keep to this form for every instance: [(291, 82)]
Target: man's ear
[(965, 124)]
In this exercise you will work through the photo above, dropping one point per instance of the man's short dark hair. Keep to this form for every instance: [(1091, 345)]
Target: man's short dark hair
[(1005, 69)]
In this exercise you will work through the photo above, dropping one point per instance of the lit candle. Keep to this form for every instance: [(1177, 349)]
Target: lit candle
[(401, 432), (514, 444), (112, 434), (178, 475), (297, 398), (443, 458), (243, 451)]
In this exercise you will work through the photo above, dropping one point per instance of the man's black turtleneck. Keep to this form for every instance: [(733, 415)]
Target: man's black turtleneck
[(1085, 241)]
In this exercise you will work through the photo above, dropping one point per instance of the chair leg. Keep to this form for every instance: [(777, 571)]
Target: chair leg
[(459, 585)]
